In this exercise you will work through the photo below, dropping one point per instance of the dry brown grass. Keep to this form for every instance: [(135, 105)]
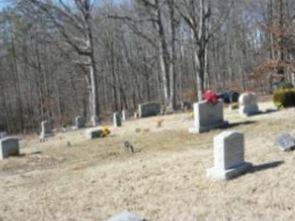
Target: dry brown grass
[(164, 180)]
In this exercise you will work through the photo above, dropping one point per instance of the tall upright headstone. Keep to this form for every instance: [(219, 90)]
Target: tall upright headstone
[(248, 104), (117, 120), (228, 156), (124, 114), (79, 122), (207, 116), (46, 130), (9, 146)]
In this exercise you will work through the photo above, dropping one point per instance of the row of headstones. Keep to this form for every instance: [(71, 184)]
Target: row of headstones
[(144, 110), (47, 127), (10, 146), (208, 116)]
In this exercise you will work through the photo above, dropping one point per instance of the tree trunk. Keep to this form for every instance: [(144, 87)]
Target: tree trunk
[(94, 105)]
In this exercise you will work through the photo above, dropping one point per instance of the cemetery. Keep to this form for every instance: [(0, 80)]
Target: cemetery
[(147, 110), (167, 166)]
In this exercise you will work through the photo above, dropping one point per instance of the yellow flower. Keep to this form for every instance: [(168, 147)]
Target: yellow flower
[(105, 132)]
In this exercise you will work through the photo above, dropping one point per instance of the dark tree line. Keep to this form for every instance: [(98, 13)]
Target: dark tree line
[(59, 59)]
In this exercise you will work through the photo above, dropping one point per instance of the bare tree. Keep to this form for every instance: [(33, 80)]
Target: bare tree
[(197, 15), (75, 25)]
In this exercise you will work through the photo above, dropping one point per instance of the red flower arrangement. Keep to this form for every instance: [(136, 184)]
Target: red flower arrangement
[(210, 97)]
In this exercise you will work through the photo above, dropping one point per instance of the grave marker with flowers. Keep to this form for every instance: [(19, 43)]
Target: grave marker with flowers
[(208, 114)]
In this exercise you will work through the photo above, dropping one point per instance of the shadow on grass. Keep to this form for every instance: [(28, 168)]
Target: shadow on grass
[(231, 125), (266, 166), (268, 111), (28, 154)]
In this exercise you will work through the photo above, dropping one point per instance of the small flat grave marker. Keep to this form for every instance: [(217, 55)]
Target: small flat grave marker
[(285, 142), (126, 216)]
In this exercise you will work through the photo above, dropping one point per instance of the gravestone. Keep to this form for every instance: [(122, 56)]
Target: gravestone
[(79, 122), (46, 130), (117, 120), (285, 142), (149, 109), (124, 114), (3, 134), (207, 116), (234, 96), (248, 104), (186, 105), (126, 216), (93, 133), (228, 156), (9, 146), (229, 96)]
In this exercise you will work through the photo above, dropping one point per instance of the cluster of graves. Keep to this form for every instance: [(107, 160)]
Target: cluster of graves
[(228, 146), (9, 146)]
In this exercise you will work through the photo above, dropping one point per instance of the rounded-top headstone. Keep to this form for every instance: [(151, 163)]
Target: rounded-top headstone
[(248, 104), (248, 98)]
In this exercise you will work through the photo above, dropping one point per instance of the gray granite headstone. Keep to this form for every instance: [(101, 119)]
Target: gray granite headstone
[(80, 122), (93, 133), (149, 109), (126, 216), (228, 156), (117, 120), (285, 142), (9, 146), (207, 116)]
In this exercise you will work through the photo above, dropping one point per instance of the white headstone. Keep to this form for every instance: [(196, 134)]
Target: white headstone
[(228, 156), (207, 116), (124, 115), (46, 130), (248, 104), (9, 146)]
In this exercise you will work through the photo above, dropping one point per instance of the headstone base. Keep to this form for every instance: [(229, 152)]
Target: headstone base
[(249, 111), (219, 174), (194, 130)]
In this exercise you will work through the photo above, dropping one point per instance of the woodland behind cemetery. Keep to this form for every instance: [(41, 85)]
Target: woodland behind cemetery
[(59, 59)]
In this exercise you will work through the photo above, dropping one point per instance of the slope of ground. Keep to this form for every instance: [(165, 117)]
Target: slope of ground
[(164, 180)]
